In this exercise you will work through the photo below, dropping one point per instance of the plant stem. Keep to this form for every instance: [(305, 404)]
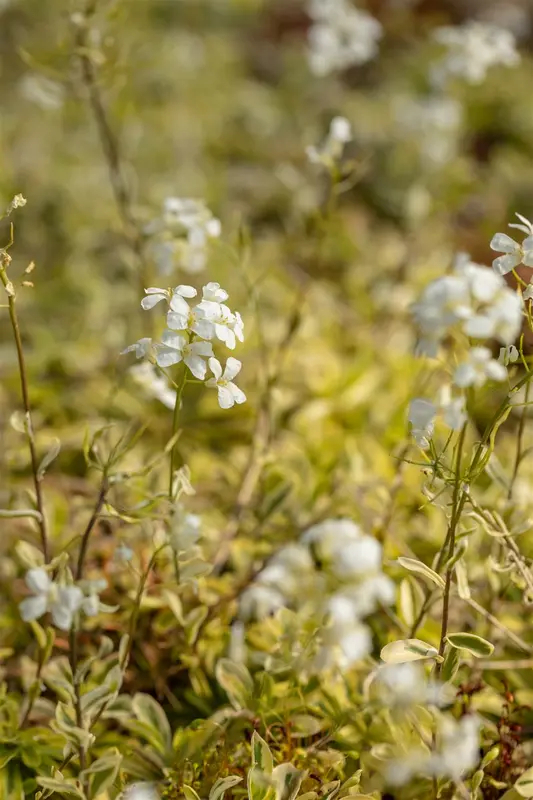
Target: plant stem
[(90, 525), (73, 660), (11, 297), (519, 443), (457, 508), (175, 419)]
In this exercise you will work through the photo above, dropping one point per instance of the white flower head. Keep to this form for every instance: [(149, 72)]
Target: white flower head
[(515, 253), (422, 414), (175, 348), (260, 601), (472, 49), (340, 132), (341, 36), (174, 297), (62, 602), (508, 355), (228, 392), (478, 368)]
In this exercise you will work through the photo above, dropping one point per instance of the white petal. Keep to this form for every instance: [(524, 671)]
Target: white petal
[(91, 605), (233, 367), (202, 327), (479, 326), (179, 305), (38, 581), (215, 367), (167, 356), (503, 243), (496, 371), (152, 300), (238, 394), (202, 348), (186, 291), (505, 264), (225, 397), (174, 340), (156, 290), (197, 366), (70, 597), (178, 322), (33, 607), (527, 247), (62, 616), (465, 375), (224, 334), (211, 383)]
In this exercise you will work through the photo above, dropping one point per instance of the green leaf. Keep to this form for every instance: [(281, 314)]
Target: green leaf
[(287, 781), (65, 788), (461, 574), (475, 645), (421, 569), (222, 785), (236, 682), (303, 725), (261, 755), (407, 650), (148, 711), (193, 623), (103, 772), (410, 600), (524, 784), (451, 663), (51, 455), (189, 793)]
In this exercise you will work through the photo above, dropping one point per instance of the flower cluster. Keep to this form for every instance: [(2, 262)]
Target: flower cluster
[(62, 601), (478, 303), (434, 122), (472, 49), (329, 153), (189, 335), (404, 685), (457, 753), (182, 235), (342, 568), (341, 36)]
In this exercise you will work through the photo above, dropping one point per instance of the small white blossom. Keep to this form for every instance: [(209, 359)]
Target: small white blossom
[(422, 414), (61, 601), (155, 385), (18, 202), (228, 392), (175, 348), (175, 298), (260, 601), (341, 36), (340, 132), (91, 604), (406, 684), (515, 253), (185, 530), (479, 367), (326, 537), (227, 326), (357, 558), (141, 348), (472, 49)]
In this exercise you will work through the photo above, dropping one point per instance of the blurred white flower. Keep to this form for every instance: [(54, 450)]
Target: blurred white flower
[(45, 93), (340, 132), (185, 530), (341, 36), (357, 558), (91, 604), (421, 415), (260, 601), (479, 367), (141, 348), (433, 122), (61, 601), (326, 537), (472, 49), (175, 348), (228, 392), (154, 384), (407, 684)]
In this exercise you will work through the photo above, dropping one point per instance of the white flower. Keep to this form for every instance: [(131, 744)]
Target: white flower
[(508, 355), (193, 320), (458, 750), (528, 292), (479, 367), (443, 303), (326, 537), (472, 49), (227, 326), (452, 409), (61, 601), (228, 393), (91, 603), (406, 684), (342, 36), (340, 132), (141, 348), (357, 558), (259, 602), (213, 293), (344, 650), (185, 531), (194, 251), (422, 414), (175, 348), (175, 298), (155, 385), (515, 253)]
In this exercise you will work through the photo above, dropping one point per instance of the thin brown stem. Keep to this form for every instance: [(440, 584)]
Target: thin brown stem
[(104, 486), (37, 478), (110, 145)]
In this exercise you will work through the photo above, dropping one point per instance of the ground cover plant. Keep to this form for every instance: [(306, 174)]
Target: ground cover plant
[(266, 357)]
